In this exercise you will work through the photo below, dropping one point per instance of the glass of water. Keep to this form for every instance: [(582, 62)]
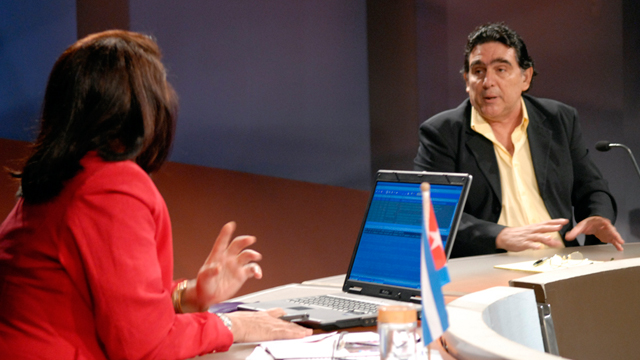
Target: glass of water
[(397, 326)]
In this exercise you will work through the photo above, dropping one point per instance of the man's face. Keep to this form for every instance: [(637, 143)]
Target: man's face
[(495, 81)]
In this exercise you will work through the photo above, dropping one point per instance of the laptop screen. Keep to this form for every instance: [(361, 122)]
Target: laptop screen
[(389, 247)]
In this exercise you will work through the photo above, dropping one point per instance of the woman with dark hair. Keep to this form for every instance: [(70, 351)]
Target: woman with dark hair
[(86, 258)]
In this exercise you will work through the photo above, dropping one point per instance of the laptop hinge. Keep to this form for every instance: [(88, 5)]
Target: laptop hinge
[(355, 289)]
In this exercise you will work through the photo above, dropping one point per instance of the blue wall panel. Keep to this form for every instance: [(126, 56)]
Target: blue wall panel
[(32, 35), (276, 88)]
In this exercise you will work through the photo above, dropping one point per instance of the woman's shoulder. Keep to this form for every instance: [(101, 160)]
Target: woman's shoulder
[(101, 175)]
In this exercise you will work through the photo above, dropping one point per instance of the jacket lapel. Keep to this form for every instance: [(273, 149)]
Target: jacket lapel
[(539, 144), (482, 150)]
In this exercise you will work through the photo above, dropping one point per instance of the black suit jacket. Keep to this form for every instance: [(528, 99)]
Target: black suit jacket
[(566, 175)]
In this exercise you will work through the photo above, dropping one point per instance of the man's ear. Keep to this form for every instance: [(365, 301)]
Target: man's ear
[(527, 75), (466, 81)]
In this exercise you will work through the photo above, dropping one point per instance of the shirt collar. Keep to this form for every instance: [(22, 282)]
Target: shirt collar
[(481, 126)]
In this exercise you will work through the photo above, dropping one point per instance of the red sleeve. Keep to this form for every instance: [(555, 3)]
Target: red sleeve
[(121, 227)]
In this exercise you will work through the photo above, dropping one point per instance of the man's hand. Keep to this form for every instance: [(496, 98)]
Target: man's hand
[(249, 326), (600, 227), (226, 269), (530, 236)]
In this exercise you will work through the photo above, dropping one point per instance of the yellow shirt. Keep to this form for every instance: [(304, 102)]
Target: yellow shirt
[(521, 200)]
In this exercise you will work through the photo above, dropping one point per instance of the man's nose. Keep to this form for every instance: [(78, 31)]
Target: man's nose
[(489, 79)]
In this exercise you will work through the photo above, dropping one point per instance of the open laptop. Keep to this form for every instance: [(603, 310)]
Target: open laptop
[(385, 265)]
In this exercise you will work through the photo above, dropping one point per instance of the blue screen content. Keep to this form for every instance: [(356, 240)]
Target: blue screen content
[(389, 248)]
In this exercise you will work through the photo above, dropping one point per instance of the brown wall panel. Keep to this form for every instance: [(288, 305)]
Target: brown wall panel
[(304, 230), (99, 15), (393, 83), (11, 153)]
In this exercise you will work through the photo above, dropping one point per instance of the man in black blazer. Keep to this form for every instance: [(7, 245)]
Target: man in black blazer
[(497, 131)]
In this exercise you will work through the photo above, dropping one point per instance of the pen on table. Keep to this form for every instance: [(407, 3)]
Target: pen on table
[(540, 261), (294, 317)]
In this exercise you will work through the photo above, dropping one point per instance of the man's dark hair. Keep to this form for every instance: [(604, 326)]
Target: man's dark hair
[(107, 92), (498, 32)]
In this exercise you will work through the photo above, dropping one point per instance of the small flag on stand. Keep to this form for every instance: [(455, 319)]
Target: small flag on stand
[(433, 273)]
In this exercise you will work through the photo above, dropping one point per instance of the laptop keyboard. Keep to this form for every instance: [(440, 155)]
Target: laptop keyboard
[(338, 304)]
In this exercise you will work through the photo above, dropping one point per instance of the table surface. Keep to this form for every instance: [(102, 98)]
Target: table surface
[(477, 273), (468, 275)]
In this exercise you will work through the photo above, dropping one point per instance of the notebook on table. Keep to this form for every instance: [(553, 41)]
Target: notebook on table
[(385, 264)]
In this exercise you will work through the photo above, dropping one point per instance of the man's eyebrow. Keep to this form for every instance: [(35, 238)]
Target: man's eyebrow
[(476, 62), (494, 61), (501, 61)]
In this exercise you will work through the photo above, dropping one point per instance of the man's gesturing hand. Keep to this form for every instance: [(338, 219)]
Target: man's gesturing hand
[(530, 236), (600, 227)]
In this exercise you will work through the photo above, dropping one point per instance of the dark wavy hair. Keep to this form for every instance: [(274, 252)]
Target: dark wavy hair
[(499, 32), (108, 92)]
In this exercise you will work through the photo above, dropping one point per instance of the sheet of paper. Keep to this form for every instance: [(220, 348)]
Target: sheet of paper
[(360, 345), (259, 353), (545, 266)]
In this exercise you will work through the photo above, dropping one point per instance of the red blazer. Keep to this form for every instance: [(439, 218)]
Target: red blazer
[(88, 274)]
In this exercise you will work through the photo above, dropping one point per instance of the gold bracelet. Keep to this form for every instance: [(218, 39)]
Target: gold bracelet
[(176, 296)]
